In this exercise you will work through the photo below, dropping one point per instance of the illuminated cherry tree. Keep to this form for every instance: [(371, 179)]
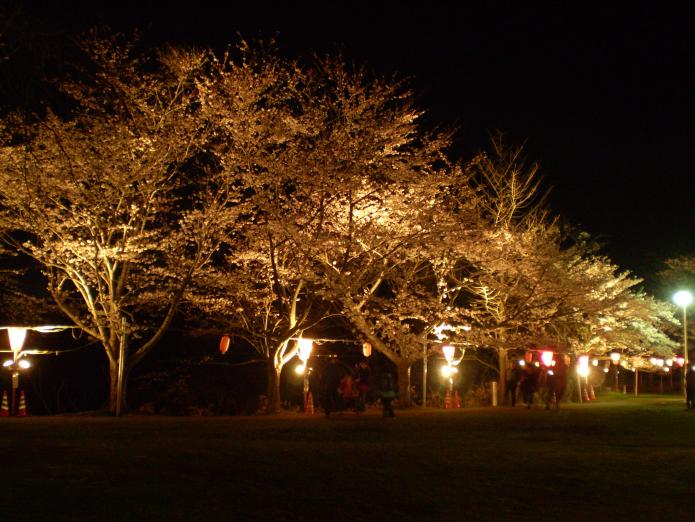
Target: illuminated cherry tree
[(116, 199)]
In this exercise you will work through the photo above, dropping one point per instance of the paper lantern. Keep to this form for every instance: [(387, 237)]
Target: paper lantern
[(224, 344), (366, 349)]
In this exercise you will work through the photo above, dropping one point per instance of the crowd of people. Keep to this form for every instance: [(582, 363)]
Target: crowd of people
[(344, 388)]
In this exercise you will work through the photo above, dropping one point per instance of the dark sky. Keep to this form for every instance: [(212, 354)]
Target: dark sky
[(602, 95)]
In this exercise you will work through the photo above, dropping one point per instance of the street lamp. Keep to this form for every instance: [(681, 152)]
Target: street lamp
[(304, 348), (683, 298), (17, 336)]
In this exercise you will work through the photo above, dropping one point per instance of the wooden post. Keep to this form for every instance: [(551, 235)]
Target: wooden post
[(636, 381)]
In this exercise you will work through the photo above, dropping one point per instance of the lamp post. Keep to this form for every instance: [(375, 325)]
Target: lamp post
[(17, 336), (683, 298), (449, 371), (304, 348), (615, 359)]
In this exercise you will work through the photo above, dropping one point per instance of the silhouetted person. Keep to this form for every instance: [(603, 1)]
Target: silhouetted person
[(556, 382), (690, 389), (388, 394), (331, 382), (529, 383), (513, 376), (362, 382)]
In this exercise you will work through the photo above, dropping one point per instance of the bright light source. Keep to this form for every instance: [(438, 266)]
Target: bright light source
[(299, 369), (547, 358), (522, 362), (305, 347), (680, 361), (594, 362), (605, 370), (466, 328), (24, 364), (659, 362), (446, 371), (448, 353), (667, 369), (615, 357), (366, 349), (652, 360), (536, 364), (17, 336), (8, 363), (682, 298), (583, 371), (454, 369), (583, 366), (669, 362)]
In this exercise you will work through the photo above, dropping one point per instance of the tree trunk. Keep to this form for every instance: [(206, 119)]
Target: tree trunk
[(404, 384), (113, 385), (273, 390), (502, 386)]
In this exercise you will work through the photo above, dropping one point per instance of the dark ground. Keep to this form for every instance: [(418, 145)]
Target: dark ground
[(616, 459)]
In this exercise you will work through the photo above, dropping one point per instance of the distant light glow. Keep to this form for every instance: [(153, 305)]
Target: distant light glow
[(448, 353), (522, 362), (551, 372), (446, 371), (680, 361), (299, 369), (615, 357), (547, 358), (605, 370), (24, 364), (305, 347), (583, 366), (594, 362), (659, 362), (682, 298), (7, 363), (669, 362), (667, 369)]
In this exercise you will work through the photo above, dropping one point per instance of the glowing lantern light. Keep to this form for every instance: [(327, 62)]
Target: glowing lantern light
[(594, 362), (305, 347), (652, 360), (669, 362), (528, 357), (24, 364), (659, 362), (7, 363), (583, 367), (299, 369), (448, 353), (522, 362), (615, 357), (17, 336), (446, 371), (680, 361), (547, 358), (224, 344), (366, 349)]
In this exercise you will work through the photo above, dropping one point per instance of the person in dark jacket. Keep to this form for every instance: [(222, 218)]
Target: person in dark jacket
[(690, 389), (529, 383), (330, 387), (513, 376)]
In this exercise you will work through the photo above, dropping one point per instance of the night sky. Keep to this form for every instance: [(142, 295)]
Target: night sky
[(602, 95)]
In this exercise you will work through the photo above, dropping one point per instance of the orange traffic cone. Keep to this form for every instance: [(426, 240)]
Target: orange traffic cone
[(22, 411), (5, 409), (447, 400), (592, 395), (309, 404), (457, 399), (585, 395)]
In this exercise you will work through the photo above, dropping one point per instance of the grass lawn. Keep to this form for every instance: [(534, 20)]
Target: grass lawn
[(618, 458)]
